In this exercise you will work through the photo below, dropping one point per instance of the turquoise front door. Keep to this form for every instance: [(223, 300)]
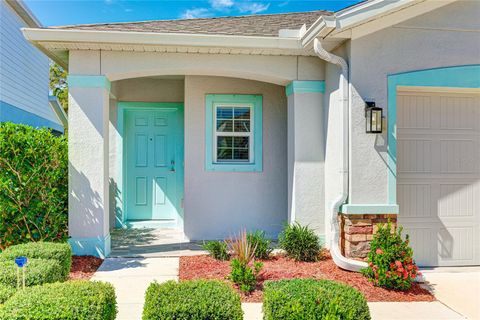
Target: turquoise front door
[(154, 163)]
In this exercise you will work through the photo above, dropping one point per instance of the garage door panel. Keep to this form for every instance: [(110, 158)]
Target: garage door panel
[(414, 155), (459, 156), (422, 241), (457, 112), (416, 199), (456, 245), (458, 200), (438, 175), (437, 245), (415, 114)]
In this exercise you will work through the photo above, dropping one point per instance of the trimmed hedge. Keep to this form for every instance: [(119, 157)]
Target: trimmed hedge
[(313, 299), (60, 252), (192, 300), (5, 293), (38, 271), (73, 300)]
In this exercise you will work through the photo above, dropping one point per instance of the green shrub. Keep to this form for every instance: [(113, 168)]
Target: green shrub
[(38, 271), (5, 293), (72, 300), (390, 260), (217, 249), (244, 269), (262, 245), (33, 185), (192, 300), (300, 242), (60, 252), (245, 276), (313, 299)]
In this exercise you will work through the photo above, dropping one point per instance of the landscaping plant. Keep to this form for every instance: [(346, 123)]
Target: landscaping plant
[(217, 249), (245, 269), (38, 271), (245, 276), (5, 293), (390, 260), (300, 242), (313, 300), (33, 185), (60, 252), (261, 244), (192, 300), (72, 300)]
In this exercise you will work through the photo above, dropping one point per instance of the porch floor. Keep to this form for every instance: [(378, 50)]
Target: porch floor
[(150, 242)]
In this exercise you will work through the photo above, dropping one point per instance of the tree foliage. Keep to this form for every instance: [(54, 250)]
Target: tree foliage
[(58, 84), (33, 185)]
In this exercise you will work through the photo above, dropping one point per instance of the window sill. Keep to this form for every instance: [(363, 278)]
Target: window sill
[(229, 167)]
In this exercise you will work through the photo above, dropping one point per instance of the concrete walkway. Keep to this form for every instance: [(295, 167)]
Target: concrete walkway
[(384, 311), (456, 287), (152, 243), (131, 277), (412, 311)]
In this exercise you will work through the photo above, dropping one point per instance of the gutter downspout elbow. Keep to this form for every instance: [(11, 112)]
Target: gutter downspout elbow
[(338, 258)]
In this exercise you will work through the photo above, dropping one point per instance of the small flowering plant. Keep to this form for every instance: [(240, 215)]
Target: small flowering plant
[(390, 261)]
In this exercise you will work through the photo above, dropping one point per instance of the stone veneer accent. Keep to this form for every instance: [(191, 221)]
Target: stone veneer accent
[(357, 230)]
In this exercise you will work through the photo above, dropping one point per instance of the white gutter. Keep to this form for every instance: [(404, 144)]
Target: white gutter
[(338, 258), (320, 28), (58, 110), (153, 38)]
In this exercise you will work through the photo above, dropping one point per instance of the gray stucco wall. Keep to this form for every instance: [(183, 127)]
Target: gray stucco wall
[(448, 36), (220, 204), (149, 90), (306, 156)]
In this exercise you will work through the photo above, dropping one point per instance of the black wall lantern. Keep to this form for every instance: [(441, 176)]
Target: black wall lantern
[(373, 116)]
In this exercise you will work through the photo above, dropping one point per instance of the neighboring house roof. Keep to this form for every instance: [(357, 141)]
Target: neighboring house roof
[(266, 25)]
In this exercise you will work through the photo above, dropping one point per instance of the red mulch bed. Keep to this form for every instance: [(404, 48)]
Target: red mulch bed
[(83, 267), (279, 267)]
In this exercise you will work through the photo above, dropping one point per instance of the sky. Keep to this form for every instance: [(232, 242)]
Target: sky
[(66, 12)]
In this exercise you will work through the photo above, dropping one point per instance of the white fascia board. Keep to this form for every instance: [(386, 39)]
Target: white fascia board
[(336, 25), (369, 10), (151, 38)]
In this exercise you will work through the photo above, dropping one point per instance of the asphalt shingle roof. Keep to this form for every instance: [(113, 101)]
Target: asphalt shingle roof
[(266, 25)]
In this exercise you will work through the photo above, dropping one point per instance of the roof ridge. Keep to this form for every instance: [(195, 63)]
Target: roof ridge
[(194, 19)]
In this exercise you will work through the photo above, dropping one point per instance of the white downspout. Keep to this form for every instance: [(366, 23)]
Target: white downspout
[(338, 258)]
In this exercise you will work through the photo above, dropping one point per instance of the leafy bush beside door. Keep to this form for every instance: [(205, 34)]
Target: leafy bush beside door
[(33, 185)]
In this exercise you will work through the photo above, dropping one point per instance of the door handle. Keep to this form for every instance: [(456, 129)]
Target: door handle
[(173, 166)]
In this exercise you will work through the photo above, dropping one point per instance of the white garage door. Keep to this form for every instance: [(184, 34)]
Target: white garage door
[(438, 174)]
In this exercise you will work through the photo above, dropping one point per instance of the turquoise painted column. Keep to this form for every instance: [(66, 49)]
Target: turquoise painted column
[(88, 152), (306, 155)]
